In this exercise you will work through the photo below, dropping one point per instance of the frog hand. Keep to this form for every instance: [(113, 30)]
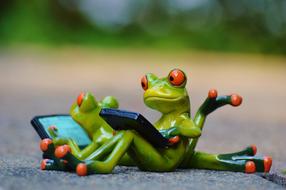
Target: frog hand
[(109, 102), (53, 131), (174, 140), (168, 134), (213, 102)]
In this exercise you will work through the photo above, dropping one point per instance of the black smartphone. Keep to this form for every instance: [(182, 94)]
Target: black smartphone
[(66, 127), (125, 120)]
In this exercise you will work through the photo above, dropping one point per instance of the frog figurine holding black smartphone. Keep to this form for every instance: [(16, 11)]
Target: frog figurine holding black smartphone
[(176, 134)]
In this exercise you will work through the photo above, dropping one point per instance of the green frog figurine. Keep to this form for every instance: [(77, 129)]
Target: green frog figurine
[(110, 148)]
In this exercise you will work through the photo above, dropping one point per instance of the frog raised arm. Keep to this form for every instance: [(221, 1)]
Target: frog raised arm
[(169, 96)]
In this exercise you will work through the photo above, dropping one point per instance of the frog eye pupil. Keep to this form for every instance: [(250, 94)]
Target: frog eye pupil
[(142, 84), (171, 78)]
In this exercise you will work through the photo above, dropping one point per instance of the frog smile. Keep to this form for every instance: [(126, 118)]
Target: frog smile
[(154, 98)]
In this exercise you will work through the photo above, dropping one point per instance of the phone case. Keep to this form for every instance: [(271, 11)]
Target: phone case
[(126, 120)]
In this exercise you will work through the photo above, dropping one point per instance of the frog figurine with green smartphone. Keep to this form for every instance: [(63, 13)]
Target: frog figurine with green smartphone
[(128, 146)]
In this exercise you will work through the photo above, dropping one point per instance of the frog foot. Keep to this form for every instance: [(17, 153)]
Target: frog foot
[(251, 166), (49, 164), (62, 151)]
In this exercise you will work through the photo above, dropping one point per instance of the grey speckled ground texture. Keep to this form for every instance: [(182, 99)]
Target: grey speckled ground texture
[(23, 173), (38, 82)]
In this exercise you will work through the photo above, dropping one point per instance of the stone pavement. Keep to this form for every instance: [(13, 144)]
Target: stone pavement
[(36, 82), (23, 173)]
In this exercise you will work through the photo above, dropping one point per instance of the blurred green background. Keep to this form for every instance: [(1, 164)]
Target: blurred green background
[(257, 26)]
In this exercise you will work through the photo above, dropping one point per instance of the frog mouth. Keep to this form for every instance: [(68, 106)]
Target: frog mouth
[(159, 98)]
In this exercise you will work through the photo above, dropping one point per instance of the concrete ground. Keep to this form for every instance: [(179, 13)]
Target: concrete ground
[(37, 82)]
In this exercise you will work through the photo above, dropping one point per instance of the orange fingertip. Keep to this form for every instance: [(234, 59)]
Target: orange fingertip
[(174, 140), (267, 163), (43, 164), (44, 144), (67, 147), (250, 167), (212, 93), (61, 151), (236, 100), (254, 149), (81, 169)]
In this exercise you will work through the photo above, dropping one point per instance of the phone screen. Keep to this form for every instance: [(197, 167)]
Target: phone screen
[(66, 127)]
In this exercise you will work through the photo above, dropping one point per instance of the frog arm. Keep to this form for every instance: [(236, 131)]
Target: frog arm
[(186, 128), (84, 153), (212, 103), (80, 154)]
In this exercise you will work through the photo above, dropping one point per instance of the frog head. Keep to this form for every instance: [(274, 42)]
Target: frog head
[(85, 111), (166, 94)]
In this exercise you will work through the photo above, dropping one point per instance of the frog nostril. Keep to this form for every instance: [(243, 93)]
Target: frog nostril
[(80, 98)]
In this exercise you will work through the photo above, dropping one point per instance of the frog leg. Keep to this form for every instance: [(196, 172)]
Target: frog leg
[(242, 161), (80, 154), (126, 160), (142, 152), (230, 162), (50, 162), (111, 151), (211, 103), (87, 153), (149, 158), (65, 152)]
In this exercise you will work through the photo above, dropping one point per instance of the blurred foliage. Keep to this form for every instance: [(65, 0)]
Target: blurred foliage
[(221, 25)]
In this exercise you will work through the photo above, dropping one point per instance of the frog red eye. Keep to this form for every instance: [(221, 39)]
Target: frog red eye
[(177, 77), (144, 82), (80, 98)]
